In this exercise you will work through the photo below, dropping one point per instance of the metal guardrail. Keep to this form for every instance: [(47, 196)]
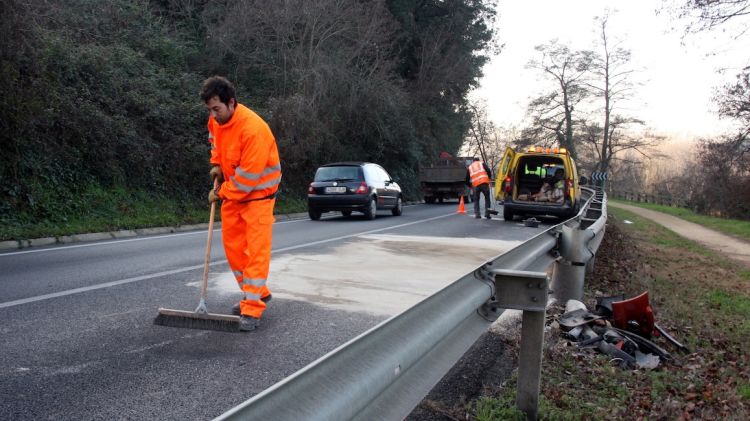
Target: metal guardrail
[(385, 372), (665, 199)]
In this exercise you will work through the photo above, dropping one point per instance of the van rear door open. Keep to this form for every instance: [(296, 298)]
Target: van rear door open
[(502, 172)]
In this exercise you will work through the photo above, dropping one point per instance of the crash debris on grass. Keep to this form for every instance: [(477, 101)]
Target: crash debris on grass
[(623, 329)]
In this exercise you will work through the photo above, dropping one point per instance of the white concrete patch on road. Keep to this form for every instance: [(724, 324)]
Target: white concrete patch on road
[(377, 274)]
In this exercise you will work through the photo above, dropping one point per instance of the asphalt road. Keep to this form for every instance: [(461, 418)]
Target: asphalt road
[(78, 340)]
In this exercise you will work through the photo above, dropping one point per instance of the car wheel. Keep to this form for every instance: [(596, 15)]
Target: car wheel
[(371, 208), (429, 199), (314, 214), (399, 207), (507, 214), (346, 213)]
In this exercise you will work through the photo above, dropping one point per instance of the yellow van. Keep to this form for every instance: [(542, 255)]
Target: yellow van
[(540, 181)]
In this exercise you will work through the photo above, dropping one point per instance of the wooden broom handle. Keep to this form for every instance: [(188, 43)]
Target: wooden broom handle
[(204, 286)]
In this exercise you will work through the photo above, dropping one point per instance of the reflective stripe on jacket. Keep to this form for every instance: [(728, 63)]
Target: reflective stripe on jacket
[(477, 174), (246, 150)]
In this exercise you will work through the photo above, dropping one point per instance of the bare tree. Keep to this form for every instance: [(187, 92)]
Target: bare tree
[(329, 71), (723, 190), (612, 81), (303, 46), (484, 138), (709, 14), (552, 113), (478, 141), (734, 103), (629, 142)]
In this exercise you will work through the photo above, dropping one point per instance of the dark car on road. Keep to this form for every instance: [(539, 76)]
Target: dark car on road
[(353, 186)]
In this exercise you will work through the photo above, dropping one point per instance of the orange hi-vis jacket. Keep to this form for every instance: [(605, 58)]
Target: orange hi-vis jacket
[(477, 174), (246, 150)]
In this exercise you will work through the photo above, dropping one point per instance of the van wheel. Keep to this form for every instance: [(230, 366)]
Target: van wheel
[(507, 214), (314, 214), (399, 207), (371, 208)]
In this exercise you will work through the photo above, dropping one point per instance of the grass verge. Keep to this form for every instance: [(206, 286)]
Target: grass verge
[(702, 299), (734, 227)]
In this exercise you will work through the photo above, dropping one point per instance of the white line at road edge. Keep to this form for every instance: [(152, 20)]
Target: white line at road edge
[(119, 241), (189, 268)]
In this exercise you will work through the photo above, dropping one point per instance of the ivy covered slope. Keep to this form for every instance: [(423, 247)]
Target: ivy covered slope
[(100, 112)]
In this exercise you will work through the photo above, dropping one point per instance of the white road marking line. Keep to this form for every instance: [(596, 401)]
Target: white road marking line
[(189, 268), (96, 244), (124, 240), (100, 286)]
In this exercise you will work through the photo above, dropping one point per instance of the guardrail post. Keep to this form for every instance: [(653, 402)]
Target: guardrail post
[(577, 245), (530, 363), (568, 273), (525, 291)]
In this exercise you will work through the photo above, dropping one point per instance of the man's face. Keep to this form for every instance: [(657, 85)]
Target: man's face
[(219, 110)]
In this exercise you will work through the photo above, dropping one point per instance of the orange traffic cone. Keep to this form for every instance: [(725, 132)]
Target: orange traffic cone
[(461, 205)]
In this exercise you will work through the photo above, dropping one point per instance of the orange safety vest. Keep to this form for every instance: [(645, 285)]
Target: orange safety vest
[(246, 150), (477, 174)]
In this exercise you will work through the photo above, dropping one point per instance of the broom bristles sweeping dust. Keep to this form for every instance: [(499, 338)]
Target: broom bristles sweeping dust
[(200, 318), (195, 320)]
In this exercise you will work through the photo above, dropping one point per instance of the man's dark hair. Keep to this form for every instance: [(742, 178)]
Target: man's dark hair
[(218, 86)]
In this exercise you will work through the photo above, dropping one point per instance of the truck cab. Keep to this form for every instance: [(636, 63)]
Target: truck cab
[(539, 181)]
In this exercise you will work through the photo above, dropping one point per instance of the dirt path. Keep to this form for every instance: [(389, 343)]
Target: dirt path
[(731, 247)]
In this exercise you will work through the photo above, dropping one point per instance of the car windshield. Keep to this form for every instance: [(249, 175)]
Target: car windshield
[(337, 174)]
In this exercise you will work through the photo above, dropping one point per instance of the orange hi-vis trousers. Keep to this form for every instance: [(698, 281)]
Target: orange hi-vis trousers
[(246, 230)]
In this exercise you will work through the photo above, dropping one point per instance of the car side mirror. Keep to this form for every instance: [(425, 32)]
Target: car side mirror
[(583, 180)]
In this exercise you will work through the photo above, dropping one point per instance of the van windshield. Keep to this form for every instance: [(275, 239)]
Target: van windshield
[(549, 170), (539, 166)]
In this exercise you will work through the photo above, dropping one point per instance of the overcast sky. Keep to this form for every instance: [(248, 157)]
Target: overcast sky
[(679, 74)]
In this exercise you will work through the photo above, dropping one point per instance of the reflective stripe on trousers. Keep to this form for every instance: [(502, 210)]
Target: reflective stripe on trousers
[(246, 230)]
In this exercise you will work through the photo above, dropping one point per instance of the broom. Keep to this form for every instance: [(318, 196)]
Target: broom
[(492, 209), (200, 318)]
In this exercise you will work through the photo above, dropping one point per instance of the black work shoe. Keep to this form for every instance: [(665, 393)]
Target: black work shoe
[(248, 323), (488, 216), (236, 307), (477, 216)]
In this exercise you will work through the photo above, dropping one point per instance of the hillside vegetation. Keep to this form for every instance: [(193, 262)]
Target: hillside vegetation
[(99, 101)]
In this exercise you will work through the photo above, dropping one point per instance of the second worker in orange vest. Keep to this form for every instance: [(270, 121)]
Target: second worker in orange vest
[(478, 176), (245, 160)]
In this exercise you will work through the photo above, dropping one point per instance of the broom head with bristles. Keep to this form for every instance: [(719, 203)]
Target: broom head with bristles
[(195, 320)]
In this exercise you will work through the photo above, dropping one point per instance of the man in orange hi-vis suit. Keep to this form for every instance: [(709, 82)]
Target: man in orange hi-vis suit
[(245, 161), (478, 176)]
